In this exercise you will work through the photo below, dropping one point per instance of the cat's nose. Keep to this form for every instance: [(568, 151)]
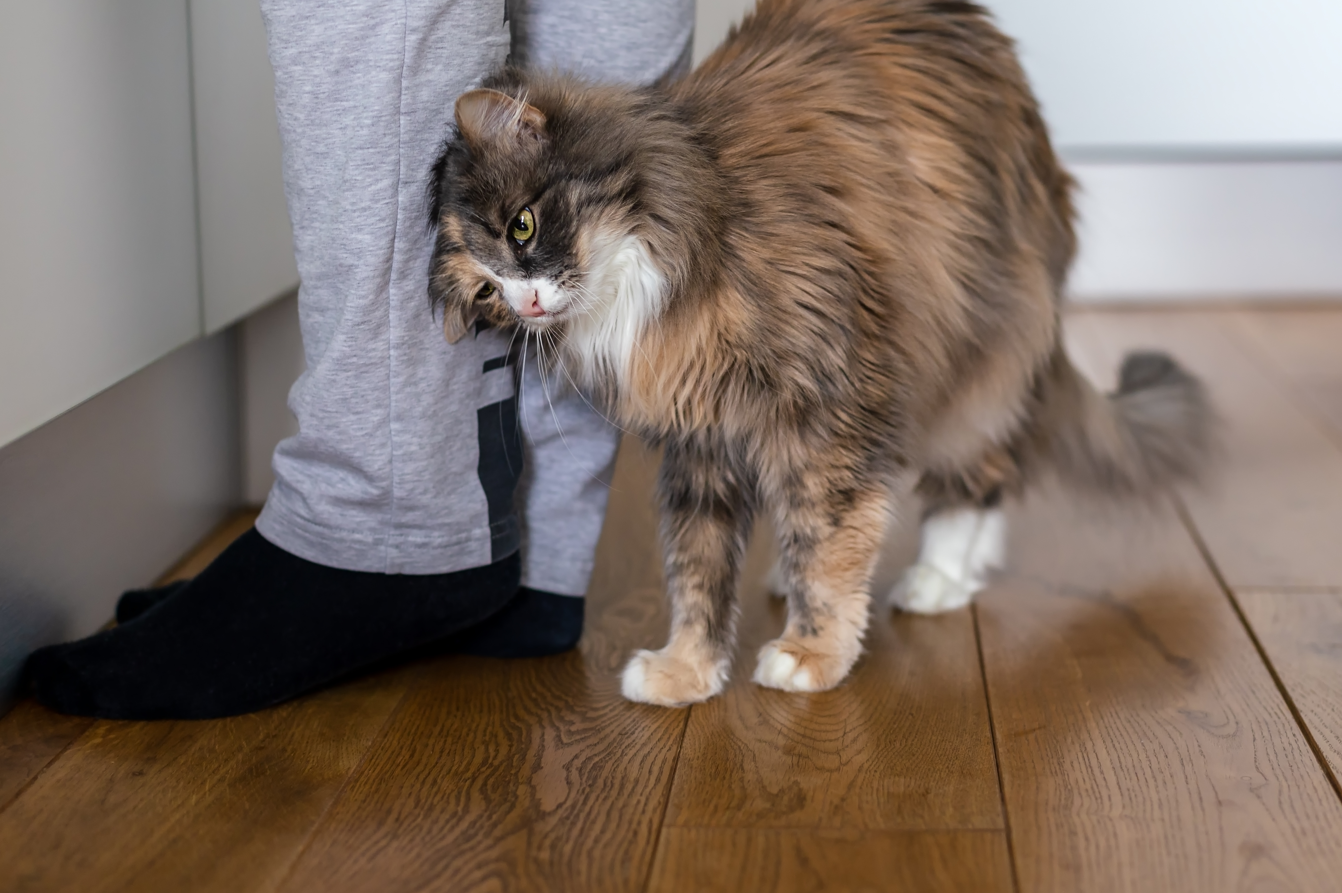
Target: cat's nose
[(531, 305)]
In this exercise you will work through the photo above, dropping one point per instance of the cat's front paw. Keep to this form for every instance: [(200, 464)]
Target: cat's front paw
[(789, 665), (668, 680), (924, 589)]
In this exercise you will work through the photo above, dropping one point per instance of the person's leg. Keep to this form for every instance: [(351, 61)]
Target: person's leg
[(403, 474), (401, 462), (631, 42), (570, 445), (407, 455)]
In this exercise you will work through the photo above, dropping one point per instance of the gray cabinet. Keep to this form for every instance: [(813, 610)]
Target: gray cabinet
[(246, 246), (98, 267), (121, 238)]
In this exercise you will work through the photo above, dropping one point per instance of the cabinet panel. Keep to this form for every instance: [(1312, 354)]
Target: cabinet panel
[(98, 272), (246, 245)]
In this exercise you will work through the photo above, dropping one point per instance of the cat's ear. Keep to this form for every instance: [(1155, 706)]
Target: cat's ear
[(488, 116), (457, 322)]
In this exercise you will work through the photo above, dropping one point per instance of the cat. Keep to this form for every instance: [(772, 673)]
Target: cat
[(830, 259)]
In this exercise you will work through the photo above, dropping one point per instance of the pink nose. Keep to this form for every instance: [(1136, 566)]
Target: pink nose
[(531, 305)]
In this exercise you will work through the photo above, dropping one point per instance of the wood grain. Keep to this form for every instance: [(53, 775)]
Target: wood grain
[(904, 743), (1303, 348), (1302, 635), (31, 736), (202, 806), (521, 775), (793, 861), (1143, 744), (1271, 515)]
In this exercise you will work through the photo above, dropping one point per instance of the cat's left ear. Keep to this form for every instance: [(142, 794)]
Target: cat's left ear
[(488, 116)]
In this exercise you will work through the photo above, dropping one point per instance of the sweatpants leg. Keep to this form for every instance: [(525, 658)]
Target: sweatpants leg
[(570, 446), (407, 455), (387, 472)]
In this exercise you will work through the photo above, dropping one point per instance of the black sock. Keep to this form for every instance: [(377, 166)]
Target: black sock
[(257, 627), (134, 602), (533, 623)]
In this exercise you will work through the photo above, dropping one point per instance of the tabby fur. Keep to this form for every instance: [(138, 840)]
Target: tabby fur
[(832, 256)]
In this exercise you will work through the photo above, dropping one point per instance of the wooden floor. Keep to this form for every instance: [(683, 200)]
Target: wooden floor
[(1144, 701)]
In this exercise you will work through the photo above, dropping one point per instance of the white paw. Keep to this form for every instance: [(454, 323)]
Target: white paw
[(923, 589), (656, 677), (780, 669), (790, 666)]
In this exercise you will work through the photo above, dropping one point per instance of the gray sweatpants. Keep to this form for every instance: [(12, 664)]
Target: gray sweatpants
[(408, 458)]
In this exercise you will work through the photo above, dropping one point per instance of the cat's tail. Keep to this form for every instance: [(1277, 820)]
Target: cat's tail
[(1157, 429)]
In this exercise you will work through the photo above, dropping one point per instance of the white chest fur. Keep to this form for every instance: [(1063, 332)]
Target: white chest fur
[(624, 293)]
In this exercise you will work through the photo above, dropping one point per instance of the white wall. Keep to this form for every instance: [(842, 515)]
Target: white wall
[(1206, 136), (1189, 231), (110, 494), (1187, 75)]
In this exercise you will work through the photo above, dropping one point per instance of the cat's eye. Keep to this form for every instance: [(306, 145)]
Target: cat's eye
[(485, 291), (524, 226)]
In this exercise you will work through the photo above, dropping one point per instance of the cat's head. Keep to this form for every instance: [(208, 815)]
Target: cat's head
[(541, 212)]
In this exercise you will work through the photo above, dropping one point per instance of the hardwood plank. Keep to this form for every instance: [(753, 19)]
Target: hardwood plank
[(30, 738), (1142, 743), (169, 806), (1304, 348), (1271, 515), (521, 775), (904, 743), (791, 861), (1302, 635)]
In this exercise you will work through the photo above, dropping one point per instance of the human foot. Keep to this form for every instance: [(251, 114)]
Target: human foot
[(533, 623), (257, 627)]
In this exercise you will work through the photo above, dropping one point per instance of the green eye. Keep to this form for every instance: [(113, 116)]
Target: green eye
[(485, 290), (524, 226)]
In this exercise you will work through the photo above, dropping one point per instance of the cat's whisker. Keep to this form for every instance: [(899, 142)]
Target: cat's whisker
[(581, 298), (522, 377), (559, 357), (502, 436), (559, 428), (564, 368)]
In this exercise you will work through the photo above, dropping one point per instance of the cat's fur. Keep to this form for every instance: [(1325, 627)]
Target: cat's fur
[(832, 255)]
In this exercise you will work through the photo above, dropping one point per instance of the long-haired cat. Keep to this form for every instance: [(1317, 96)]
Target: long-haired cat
[(830, 257)]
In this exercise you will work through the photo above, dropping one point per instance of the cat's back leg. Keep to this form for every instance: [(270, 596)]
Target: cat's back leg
[(960, 547), (963, 537)]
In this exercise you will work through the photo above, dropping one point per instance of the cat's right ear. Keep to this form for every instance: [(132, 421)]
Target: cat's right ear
[(457, 322), (488, 116)]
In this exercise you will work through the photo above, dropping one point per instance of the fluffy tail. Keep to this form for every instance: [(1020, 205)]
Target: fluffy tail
[(1158, 428)]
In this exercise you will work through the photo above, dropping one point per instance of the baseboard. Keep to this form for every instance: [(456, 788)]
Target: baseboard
[(1209, 231)]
